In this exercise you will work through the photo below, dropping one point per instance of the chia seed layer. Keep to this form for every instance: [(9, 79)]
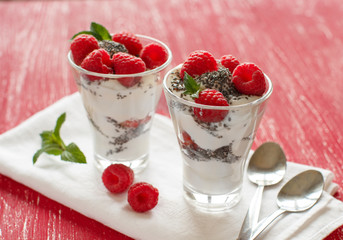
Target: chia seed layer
[(223, 154)]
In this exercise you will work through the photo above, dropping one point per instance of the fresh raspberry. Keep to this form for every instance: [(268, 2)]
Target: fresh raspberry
[(130, 41), (249, 79), (124, 63), (229, 62), (199, 62), (142, 197), (214, 98), (117, 178), (154, 55), (98, 61), (81, 46)]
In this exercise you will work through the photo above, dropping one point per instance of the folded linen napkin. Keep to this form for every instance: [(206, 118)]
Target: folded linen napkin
[(79, 186)]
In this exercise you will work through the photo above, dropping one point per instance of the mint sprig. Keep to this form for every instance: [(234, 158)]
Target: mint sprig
[(96, 30), (53, 144), (192, 87)]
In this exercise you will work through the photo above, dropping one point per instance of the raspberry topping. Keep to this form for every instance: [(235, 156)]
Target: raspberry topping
[(117, 178), (249, 79), (124, 63), (130, 41), (229, 62), (98, 61), (154, 55), (142, 197), (81, 46), (206, 96), (197, 63), (214, 98)]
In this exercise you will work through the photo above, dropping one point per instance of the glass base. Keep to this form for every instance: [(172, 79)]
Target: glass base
[(212, 203), (136, 165)]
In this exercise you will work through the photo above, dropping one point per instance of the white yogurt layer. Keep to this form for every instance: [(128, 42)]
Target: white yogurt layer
[(108, 104)]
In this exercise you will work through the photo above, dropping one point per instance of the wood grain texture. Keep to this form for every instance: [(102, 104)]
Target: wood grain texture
[(299, 44)]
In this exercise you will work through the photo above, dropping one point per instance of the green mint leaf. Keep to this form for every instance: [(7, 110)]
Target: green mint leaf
[(94, 34), (52, 143), (101, 31), (47, 138), (72, 153), (53, 149), (192, 87), (58, 126)]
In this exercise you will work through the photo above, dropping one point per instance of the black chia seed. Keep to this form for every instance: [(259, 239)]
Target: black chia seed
[(112, 47)]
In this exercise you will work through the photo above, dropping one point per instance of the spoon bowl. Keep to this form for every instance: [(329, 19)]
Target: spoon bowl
[(297, 195), (267, 165), (302, 192)]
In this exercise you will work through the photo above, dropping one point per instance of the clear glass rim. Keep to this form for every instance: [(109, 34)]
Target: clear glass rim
[(115, 76), (231, 107)]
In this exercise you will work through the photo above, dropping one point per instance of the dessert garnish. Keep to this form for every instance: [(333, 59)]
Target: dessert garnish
[(199, 62), (154, 55), (229, 62), (217, 82), (81, 46), (53, 144), (206, 97), (130, 41), (124, 63), (249, 79), (123, 53), (97, 61)]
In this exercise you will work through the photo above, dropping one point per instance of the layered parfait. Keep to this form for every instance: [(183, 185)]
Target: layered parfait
[(119, 78), (216, 106)]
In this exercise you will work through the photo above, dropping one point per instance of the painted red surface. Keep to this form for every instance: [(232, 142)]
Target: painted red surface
[(299, 44)]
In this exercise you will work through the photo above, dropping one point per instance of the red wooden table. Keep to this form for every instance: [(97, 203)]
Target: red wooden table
[(299, 44)]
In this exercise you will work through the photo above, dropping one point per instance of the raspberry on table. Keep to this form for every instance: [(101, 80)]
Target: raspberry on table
[(117, 178), (154, 55), (124, 63), (130, 41), (81, 46), (214, 98), (142, 197), (229, 62), (249, 79), (197, 63)]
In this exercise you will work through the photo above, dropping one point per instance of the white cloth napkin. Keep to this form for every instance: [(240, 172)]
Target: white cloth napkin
[(80, 188)]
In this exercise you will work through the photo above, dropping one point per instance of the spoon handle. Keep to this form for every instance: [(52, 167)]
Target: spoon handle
[(251, 218), (265, 223), (256, 205)]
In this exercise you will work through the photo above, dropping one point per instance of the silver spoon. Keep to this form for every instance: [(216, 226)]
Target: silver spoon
[(267, 167), (298, 194)]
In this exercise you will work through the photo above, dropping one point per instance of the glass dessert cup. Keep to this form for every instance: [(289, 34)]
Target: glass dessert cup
[(214, 154), (121, 117)]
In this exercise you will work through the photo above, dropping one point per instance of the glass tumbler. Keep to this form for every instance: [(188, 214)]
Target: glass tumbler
[(214, 154), (121, 117)]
